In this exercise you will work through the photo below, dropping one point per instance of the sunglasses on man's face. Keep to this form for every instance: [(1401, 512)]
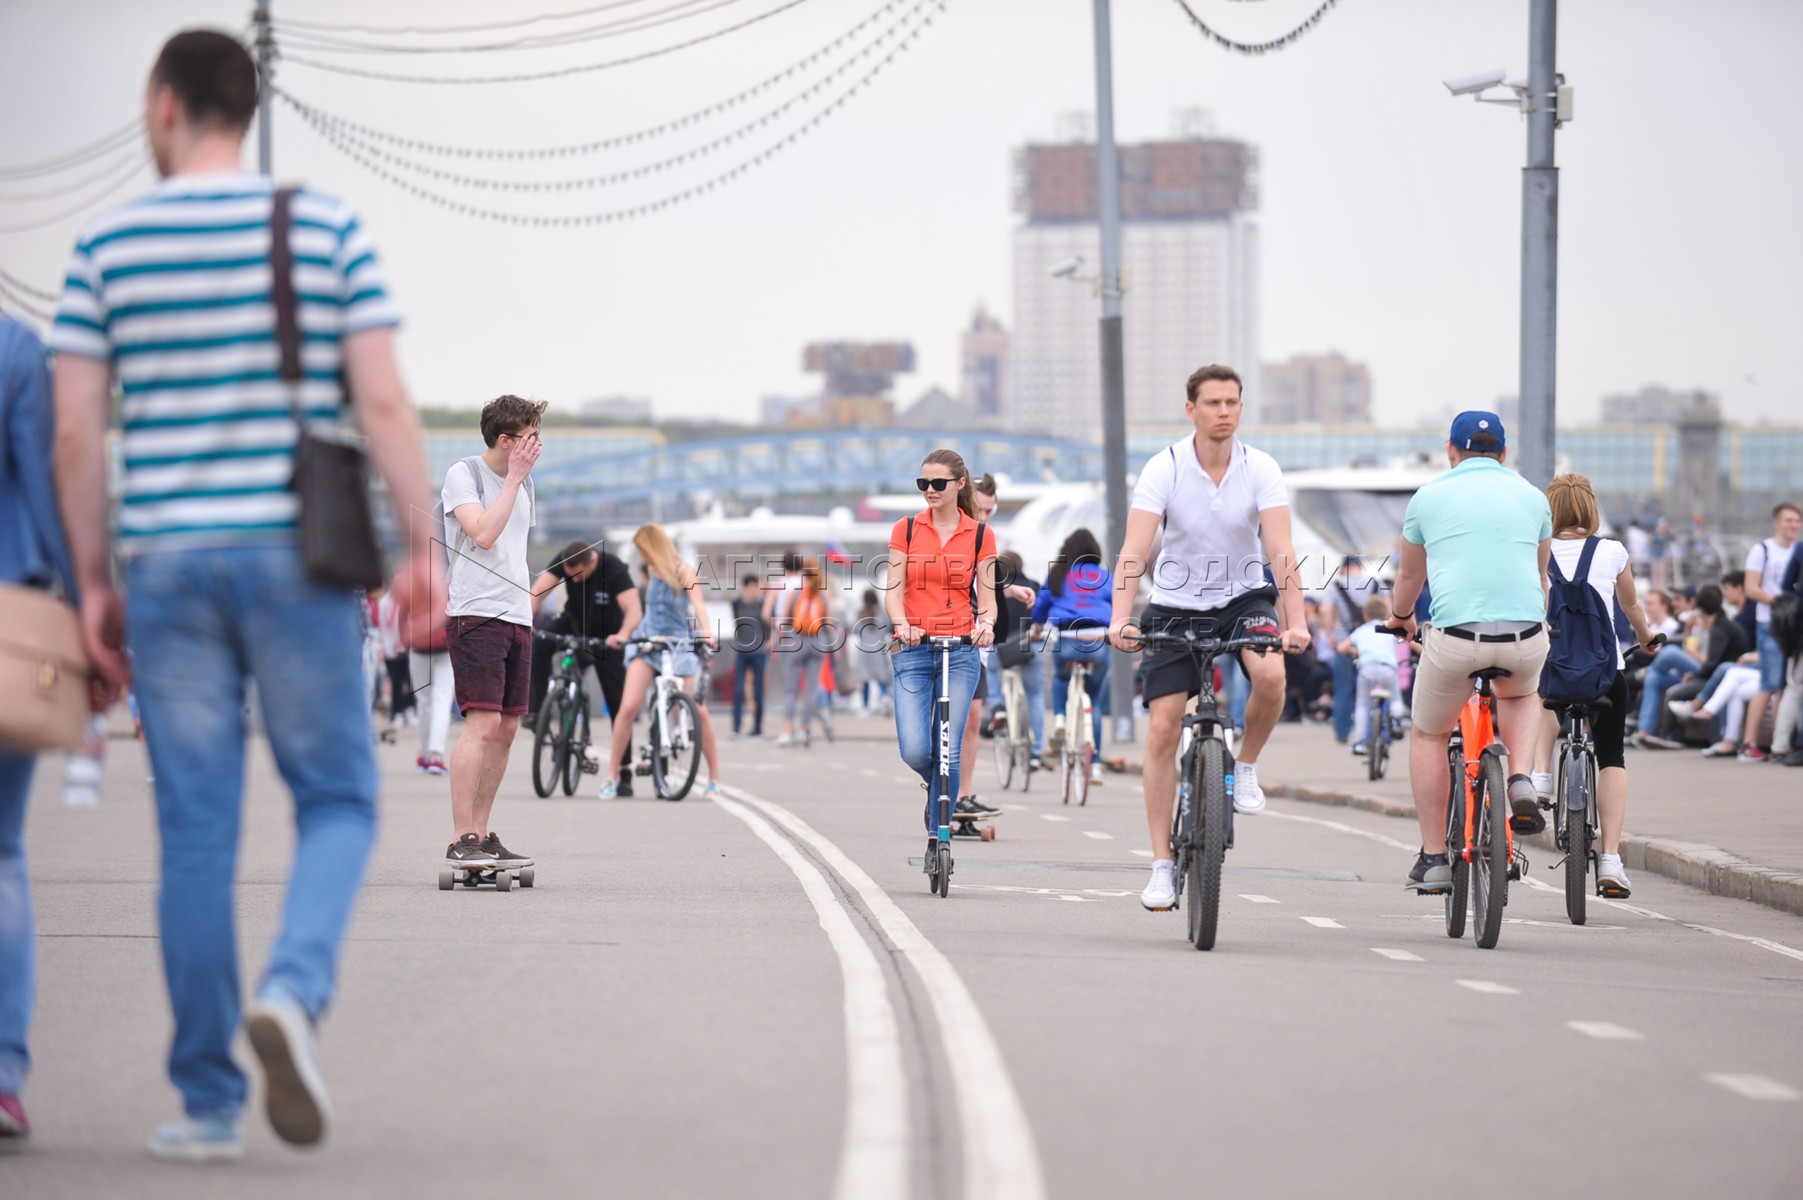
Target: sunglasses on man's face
[(937, 485)]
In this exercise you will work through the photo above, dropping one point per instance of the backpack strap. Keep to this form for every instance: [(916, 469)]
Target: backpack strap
[(910, 542), (1584, 559), (1552, 568)]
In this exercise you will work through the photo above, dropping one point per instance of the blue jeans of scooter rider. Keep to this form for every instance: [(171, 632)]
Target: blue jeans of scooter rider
[(916, 693)]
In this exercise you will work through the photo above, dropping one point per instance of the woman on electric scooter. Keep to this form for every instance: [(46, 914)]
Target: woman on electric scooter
[(935, 564), (674, 608)]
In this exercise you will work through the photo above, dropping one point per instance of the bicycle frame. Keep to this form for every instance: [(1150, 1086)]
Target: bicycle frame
[(1476, 727)]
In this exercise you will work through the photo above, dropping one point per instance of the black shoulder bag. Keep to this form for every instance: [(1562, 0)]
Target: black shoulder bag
[(331, 476)]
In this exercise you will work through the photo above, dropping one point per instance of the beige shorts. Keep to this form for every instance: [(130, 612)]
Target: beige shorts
[(1443, 677)]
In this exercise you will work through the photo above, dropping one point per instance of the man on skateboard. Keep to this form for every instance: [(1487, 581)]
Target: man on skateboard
[(489, 512)]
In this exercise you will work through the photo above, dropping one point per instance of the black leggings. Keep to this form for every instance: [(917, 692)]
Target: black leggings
[(1609, 730)]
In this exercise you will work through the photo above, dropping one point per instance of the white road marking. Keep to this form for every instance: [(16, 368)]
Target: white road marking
[(1488, 988), (1606, 1031), (873, 1158), (1756, 1087), (1079, 899), (1398, 955), (1255, 899), (1143, 853), (1052, 817), (1098, 835), (1002, 1161), (1324, 922), (1341, 827), (1017, 807), (1059, 893), (867, 771)]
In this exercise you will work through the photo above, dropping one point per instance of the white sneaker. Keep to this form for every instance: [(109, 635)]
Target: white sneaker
[(207, 1140), (1095, 772), (1611, 879), (1248, 796), (1543, 784), (281, 1034), (782, 739), (1161, 894)]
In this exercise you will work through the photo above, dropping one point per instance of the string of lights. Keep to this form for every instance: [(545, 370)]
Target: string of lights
[(61, 189), (101, 147), (555, 73), (646, 170), (19, 304), (1271, 47), (20, 286), (484, 27), (132, 167), (683, 10), (647, 208), (580, 148)]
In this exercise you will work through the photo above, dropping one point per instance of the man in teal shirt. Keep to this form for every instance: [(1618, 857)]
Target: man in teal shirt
[(1479, 536)]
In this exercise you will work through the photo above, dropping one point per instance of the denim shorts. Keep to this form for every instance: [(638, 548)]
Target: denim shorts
[(1771, 660)]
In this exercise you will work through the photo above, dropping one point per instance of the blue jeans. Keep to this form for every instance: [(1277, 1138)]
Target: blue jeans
[(16, 926), (1032, 678), (1094, 656), (202, 623), (1714, 681), (1670, 664), (916, 725), (1771, 659), (756, 663), (1345, 695)]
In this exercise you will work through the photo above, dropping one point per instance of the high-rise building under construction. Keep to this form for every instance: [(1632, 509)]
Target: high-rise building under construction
[(1189, 268)]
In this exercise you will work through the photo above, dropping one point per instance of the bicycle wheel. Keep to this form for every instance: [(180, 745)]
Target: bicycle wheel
[(574, 748), (1023, 764), (1376, 747), (1208, 842), (1067, 756), (1459, 896), (1082, 763), (1490, 851), (676, 756), (547, 755), (1004, 761), (1574, 812)]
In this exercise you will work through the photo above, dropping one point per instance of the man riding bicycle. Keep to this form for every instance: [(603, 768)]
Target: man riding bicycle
[(1479, 536), (1213, 496)]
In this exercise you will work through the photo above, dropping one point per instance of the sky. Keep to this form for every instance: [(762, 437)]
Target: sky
[(1389, 214)]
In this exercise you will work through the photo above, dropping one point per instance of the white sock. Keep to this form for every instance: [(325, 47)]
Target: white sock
[(1164, 864), (1608, 860), (1246, 770)]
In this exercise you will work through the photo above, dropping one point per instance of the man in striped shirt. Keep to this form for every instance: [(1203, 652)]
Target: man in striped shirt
[(171, 297)]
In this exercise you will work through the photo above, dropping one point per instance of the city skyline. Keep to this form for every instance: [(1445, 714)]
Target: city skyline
[(1388, 215)]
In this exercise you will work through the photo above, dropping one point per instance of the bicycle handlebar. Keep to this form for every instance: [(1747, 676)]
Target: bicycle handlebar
[(1262, 643), (574, 640), (937, 642)]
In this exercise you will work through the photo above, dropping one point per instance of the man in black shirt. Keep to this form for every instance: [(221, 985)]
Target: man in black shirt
[(599, 599)]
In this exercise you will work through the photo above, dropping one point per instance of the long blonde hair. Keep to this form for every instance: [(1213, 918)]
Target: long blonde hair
[(659, 553), (1573, 504)]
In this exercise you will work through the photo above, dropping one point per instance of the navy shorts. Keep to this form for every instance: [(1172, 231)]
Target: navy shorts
[(491, 661), (1168, 672)]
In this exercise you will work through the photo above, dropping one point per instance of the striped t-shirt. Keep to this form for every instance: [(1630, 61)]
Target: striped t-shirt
[(173, 290)]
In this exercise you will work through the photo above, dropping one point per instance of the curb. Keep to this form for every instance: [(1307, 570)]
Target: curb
[(1706, 868)]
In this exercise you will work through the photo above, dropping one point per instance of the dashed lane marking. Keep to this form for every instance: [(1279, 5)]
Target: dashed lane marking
[(1398, 955), (1324, 922), (1756, 1087), (1342, 827), (1256, 899), (1016, 807), (1606, 1031), (1142, 853), (1052, 817), (1098, 835), (1488, 987)]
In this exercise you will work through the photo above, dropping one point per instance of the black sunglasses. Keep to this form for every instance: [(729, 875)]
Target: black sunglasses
[(937, 485)]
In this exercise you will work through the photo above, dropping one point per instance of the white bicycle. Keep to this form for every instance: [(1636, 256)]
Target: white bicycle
[(1014, 739), (1077, 750), (672, 754)]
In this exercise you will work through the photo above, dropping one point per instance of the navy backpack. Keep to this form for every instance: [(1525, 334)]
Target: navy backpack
[(1580, 662)]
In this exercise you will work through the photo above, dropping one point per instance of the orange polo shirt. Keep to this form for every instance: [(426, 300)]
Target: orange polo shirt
[(936, 594)]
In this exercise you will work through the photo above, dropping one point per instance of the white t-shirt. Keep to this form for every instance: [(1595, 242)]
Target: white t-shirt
[(495, 582), (1376, 649), (1768, 560), (1611, 556), (1211, 552)]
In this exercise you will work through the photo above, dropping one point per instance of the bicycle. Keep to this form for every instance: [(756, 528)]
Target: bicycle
[(1379, 736), (1202, 819), (672, 753), (1477, 807), (1575, 820), (1077, 748), (560, 742), (1014, 745), (938, 865)]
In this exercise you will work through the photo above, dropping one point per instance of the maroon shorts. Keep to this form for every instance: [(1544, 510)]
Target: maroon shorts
[(491, 661)]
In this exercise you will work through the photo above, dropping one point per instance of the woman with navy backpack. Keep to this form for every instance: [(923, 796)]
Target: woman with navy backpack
[(1580, 556)]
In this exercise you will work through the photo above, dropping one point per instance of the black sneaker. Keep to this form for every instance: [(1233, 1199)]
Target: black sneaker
[(971, 807), (502, 855), (1432, 873), (625, 784), (469, 851)]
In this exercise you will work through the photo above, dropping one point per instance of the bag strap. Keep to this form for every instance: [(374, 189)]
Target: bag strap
[(1552, 568), (287, 315), (910, 542), (1590, 544)]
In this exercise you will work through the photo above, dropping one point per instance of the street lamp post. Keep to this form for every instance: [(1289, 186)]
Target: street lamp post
[(1114, 388)]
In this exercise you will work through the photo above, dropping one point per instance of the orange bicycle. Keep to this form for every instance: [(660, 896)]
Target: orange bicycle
[(1479, 841)]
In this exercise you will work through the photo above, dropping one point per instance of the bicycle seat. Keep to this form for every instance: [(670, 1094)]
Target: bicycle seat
[(1599, 705), (1492, 673), (1379, 694)]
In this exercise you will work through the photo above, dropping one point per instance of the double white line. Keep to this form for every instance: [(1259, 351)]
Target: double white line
[(1002, 1163)]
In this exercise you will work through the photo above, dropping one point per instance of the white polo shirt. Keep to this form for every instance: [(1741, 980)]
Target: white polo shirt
[(1211, 552)]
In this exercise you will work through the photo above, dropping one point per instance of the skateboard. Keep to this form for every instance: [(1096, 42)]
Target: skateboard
[(501, 880), (967, 827)]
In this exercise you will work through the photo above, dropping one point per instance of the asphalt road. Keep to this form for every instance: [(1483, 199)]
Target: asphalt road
[(758, 998)]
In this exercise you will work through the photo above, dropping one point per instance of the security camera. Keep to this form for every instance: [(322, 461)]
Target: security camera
[(1470, 84), (1068, 267)]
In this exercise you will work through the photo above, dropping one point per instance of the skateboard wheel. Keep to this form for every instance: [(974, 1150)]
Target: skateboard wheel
[(503, 881), (527, 877), (988, 834), (447, 879)]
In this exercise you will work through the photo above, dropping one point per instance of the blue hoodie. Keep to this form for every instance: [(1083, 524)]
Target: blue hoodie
[(1088, 599)]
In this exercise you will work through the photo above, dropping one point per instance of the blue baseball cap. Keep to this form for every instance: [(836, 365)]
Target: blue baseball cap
[(1472, 422)]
